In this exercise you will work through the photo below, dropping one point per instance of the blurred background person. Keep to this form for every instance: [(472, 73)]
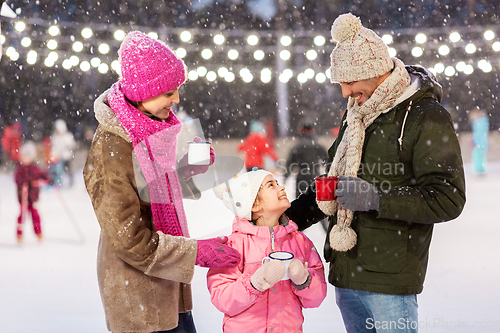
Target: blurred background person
[(62, 145), (480, 131), (306, 158), (11, 141), (256, 146)]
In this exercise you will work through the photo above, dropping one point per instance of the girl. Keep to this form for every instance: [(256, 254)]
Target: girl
[(145, 259), (253, 296)]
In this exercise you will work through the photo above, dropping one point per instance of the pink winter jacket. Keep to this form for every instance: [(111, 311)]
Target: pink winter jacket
[(278, 309)]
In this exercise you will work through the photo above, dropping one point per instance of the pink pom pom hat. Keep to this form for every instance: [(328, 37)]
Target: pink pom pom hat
[(148, 67)]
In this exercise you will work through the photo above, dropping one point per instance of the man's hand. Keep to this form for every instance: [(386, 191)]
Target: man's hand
[(357, 194)]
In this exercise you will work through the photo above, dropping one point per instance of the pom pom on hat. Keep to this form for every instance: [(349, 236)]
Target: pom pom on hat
[(360, 54), (239, 193), (148, 67), (346, 26)]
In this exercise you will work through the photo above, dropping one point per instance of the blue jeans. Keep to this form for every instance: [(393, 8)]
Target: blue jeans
[(186, 324), (364, 311)]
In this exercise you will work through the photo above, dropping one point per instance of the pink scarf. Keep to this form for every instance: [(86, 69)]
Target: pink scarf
[(155, 145)]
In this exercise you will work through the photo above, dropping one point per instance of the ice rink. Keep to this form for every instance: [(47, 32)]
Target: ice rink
[(52, 287)]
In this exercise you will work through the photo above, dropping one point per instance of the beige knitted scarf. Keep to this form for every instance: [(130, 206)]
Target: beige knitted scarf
[(347, 159)]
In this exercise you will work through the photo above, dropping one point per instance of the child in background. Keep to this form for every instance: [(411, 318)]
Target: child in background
[(27, 176), (253, 296), (256, 147)]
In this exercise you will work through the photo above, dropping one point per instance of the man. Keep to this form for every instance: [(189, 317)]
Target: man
[(400, 170)]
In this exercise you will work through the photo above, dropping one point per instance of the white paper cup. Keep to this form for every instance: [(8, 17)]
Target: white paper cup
[(282, 256), (199, 153)]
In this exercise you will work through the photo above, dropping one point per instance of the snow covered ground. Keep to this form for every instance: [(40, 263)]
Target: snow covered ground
[(52, 287)]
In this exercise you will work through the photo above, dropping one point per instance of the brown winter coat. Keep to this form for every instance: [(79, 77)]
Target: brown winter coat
[(143, 274)]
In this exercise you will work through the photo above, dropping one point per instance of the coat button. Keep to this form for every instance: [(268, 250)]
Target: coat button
[(272, 289)]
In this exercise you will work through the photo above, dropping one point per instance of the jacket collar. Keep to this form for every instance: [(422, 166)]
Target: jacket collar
[(242, 225), (388, 117), (423, 84)]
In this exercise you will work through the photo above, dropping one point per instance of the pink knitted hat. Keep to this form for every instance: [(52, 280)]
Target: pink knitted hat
[(360, 54), (148, 67)]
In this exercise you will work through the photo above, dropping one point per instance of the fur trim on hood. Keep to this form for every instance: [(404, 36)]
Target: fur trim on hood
[(428, 81), (107, 117)]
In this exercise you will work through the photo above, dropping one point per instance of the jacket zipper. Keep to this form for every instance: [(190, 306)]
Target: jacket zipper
[(272, 238)]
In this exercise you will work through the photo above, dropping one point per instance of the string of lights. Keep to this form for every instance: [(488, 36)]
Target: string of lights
[(228, 55)]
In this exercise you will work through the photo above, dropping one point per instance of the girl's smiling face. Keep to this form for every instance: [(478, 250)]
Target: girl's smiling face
[(159, 106), (271, 202)]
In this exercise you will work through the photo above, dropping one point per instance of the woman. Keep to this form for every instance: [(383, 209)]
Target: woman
[(145, 259)]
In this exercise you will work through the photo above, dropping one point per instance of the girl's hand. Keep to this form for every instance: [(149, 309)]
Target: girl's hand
[(268, 275), (298, 272)]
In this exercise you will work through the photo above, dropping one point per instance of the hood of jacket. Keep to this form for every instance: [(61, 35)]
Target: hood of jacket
[(242, 225), (107, 117), (274, 235), (428, 82)]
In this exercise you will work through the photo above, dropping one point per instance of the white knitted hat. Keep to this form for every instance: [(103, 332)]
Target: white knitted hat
[(239, 192), (360, 54)]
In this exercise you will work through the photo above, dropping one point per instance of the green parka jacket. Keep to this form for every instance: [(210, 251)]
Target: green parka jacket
[(412, 155)]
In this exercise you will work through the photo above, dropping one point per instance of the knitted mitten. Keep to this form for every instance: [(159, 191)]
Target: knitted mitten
[(213, 253), (298, 272), (267, 275), (357, 194)]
